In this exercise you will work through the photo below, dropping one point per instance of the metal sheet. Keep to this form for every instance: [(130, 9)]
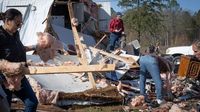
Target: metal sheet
[(104, 15), (60, 82)]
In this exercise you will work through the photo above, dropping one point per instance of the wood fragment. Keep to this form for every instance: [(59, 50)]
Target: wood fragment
[(100, 40), (127, 60), (78, 44), (33, 70)]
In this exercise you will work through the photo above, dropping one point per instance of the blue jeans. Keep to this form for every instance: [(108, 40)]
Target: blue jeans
[(114, 38), (149, 64), (4, 107), (26, 94)]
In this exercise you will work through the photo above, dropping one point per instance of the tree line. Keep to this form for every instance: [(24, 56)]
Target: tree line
[(163, 21)]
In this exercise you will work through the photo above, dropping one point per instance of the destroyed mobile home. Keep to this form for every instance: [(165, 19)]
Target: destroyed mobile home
[(83, 75), (67, 72)]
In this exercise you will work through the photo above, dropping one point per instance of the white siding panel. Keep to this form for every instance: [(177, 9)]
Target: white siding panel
[(104, 15), (36, 15), (34, 22)]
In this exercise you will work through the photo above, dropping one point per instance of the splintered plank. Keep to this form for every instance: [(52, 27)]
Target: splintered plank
[(100, 40), (78, 44), (32, 70), (127, 60)]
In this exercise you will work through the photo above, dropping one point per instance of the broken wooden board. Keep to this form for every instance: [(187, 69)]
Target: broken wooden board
[(100, 40), (127, 60), (78, 44), (101, 96), (189, 67), (69, 69)]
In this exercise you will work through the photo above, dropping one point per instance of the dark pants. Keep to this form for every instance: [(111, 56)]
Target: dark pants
[(113, 40), (26, 94)]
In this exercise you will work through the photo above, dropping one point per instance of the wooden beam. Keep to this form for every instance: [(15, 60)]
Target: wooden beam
[(127, 60), (100, 40), (33, 70), (78, 44), (57, 2), (60, 2)]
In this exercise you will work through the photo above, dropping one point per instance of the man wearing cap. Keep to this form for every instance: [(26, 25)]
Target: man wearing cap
[(116, 28)]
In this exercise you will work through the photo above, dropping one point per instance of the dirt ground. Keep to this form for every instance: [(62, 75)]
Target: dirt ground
[(18, 107), (108, 94)]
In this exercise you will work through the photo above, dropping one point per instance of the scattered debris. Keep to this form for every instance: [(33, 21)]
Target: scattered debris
[(138, 101), (108, 76)]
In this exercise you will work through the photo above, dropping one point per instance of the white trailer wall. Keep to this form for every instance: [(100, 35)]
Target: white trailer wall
[(34, 13)]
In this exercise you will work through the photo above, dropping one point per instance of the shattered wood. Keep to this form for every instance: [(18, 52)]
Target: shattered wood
[(127, 60), (79, 46), (69, 69), (106, 94)]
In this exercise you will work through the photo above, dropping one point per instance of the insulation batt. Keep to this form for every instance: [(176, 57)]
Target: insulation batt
[(13, 83), (44, 96), (137, 101), (13, 73), (47, 46), (101, 83), (11, 68)]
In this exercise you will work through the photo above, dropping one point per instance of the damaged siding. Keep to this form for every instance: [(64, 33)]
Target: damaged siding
[(104, 15), (34, 12)]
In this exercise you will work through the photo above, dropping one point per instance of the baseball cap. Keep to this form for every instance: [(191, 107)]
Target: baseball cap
[(119, 13)]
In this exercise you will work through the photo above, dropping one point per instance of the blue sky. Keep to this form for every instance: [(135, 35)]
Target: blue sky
[(191, 5)]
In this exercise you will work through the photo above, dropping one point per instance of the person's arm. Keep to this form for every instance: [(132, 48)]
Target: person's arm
[(30, 48)]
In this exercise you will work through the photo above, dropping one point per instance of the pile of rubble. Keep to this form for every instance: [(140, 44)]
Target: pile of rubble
[(115, 78)]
